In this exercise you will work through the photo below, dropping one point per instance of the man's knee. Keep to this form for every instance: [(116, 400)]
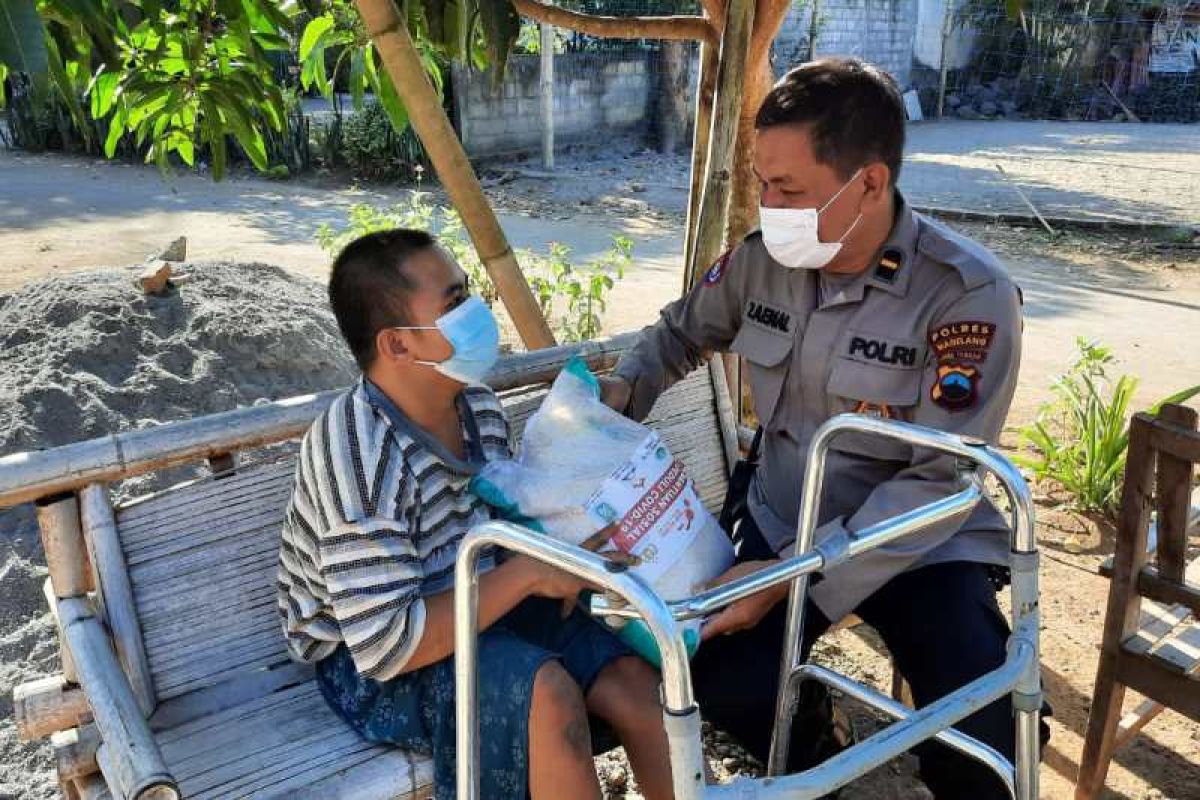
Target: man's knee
[(626, 692), (558, 707)]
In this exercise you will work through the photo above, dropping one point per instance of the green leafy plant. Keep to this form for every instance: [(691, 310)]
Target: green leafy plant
[(578, 295), (1081, 437), (339, 34), (370, 146), (173, 80), (572, 297)]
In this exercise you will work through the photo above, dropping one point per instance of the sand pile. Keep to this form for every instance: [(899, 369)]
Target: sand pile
[(88, 354)]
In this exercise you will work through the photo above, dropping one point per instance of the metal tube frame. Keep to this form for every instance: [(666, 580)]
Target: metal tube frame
[(1019, 675)]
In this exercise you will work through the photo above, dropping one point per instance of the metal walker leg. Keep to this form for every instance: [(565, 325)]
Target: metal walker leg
[(1019, 675)]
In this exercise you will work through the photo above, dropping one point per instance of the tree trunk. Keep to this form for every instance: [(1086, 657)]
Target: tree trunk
[(714, 204), (454, 170), (672, 96), (743, 206)]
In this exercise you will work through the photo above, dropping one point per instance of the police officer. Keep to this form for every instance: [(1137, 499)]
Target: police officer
[(847, 300)]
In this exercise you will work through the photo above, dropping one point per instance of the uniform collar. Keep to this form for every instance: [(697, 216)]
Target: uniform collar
[(891, 270)]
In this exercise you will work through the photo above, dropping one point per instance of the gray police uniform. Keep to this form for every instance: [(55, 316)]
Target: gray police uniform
[(930, 334)]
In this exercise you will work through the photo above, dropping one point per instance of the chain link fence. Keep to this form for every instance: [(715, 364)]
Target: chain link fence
[(1061, 60)]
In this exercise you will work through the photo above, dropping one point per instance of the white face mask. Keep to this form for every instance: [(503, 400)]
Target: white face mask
[(790, 234)]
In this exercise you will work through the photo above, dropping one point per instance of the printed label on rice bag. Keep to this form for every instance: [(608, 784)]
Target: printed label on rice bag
[(655, 505)]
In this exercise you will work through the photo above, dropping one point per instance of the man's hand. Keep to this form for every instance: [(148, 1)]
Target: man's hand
[(747, 612), (549, 581), (615, 392)]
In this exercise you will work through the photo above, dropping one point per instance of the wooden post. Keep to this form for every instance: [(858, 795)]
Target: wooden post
[(46, 706), (115, 592), (946, 25), (1174, 500), (706, 89), (62, 539), (390, 34), (75, 752), (714, 204), (814, 29), (1121, 616), (546, 82), (92, 787), (134, 765)]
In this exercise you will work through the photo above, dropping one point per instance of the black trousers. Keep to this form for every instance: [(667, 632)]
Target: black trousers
[(940, 623)]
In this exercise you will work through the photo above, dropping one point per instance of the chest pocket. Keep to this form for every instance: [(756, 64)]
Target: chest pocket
[(865, 388), (769, 357)]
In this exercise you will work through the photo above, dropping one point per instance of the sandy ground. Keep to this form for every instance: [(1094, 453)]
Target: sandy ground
[(62, 214)]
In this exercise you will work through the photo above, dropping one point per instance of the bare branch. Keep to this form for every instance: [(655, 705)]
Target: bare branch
[(682, 28)]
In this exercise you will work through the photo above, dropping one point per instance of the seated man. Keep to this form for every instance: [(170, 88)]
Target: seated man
[(847, 300), (379, 507)]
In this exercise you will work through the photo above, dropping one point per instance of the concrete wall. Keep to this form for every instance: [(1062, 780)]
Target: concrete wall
[(596, 96), (879, 31)]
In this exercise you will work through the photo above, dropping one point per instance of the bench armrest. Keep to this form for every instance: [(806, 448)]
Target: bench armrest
[(140, 772)]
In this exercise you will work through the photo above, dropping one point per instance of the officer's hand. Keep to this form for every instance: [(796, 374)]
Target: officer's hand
[(747, 612), (615, 392)]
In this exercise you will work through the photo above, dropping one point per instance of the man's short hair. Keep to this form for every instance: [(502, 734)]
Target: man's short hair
[(368, 287), (853, 110)]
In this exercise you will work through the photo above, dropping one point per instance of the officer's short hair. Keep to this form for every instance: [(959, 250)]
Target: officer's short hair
[(368, 287), (854, 111)]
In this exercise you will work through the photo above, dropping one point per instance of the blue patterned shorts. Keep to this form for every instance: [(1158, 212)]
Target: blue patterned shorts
[(415, 710)]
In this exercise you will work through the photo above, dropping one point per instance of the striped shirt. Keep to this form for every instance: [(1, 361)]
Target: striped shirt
[(378, 508)]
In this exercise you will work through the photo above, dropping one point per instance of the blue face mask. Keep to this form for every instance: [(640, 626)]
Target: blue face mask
[(472, 331)]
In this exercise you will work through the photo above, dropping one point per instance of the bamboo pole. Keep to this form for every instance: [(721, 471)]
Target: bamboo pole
[(546, 83), (714, 204), (46, 706), (64, 650), (706, 88), (134, 765), (62, 540), (390, 34), (92, 787), (116, 592), (27, 476)]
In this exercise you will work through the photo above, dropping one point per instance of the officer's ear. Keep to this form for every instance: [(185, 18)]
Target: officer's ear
[(877, 183)]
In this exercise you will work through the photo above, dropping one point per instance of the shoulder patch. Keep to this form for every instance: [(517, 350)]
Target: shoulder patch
[(956, 387), (717, 270), (965, 340)]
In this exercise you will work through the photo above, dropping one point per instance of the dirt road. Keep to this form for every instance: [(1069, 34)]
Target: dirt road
[(61, 213)]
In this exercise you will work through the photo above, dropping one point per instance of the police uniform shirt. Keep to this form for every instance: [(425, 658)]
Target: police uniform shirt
[(929, 333)]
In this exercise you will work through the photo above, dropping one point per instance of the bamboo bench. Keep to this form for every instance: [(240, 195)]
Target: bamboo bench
[(176, 681)]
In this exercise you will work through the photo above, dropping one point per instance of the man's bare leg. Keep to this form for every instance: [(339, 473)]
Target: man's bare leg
[(560, 743), (625, 695)]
